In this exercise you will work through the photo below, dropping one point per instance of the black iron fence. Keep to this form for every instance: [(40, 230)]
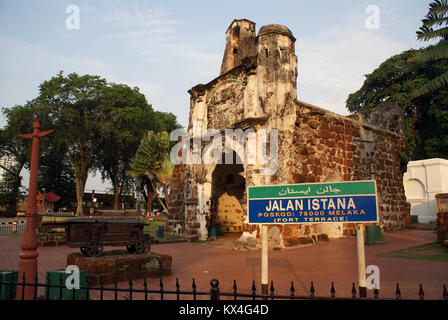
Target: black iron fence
[(11, 290)]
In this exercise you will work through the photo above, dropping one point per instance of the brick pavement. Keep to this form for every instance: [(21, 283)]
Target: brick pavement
[(324, 263)]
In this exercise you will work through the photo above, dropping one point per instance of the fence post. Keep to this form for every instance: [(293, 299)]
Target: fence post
[(421, 294), (214, 290), (235, 292), (312, 291), (177, 289), (193, 286)]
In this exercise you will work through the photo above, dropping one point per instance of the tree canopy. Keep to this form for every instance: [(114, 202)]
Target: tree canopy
[(129, 118), (392, 83), (149, 165), (435, 26), (416, 81), (19, 120), (98, 127)]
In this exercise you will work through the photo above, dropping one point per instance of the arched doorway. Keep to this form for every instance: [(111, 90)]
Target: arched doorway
[(227, 196)]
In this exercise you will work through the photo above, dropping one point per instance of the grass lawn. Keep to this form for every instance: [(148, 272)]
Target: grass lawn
[(12, 235), (151, 228), (435, 251), (151, 231)]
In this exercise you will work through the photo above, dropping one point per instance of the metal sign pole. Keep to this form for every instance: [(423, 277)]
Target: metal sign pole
[(264, 259), (361, 260)]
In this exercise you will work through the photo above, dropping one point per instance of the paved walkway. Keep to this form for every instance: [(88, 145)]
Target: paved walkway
[(324, 263)]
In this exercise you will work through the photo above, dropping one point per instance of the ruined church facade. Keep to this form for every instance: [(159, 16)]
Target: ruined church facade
[(257, 90)]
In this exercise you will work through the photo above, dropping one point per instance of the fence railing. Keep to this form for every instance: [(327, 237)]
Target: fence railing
[(7, 228), (101, 292)]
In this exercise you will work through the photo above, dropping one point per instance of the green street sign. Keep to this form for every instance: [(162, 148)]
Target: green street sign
[(353, 201)]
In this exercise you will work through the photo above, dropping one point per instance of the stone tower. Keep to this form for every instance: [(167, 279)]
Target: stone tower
[(240, 44)]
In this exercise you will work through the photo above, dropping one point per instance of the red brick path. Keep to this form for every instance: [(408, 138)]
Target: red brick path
[(334, 261)]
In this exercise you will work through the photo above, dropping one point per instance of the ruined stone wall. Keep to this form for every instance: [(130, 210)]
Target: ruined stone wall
[(326, 147), (314, 145), (176, 218), (329, 147)]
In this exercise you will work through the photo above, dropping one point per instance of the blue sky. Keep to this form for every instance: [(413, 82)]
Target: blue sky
[(167, 47)]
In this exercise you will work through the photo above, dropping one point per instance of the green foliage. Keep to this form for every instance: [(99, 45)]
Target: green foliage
[(417, 81), (98, 126), (9, 189), (130, 116), (393, 83), (19, 120), (165, 121), (76, 105), (435, 17), (152, 149), (56, 173), (149, 163), (435, 25)]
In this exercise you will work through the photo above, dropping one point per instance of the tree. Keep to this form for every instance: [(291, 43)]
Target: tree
[(76, 105), (19, 120), (56, 173), (97, 125), (147, 161), (163, 172), (165, 121), (129, 118), (431, 29), (426, 116)]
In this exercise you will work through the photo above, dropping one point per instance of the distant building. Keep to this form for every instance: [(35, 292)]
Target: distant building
[(93, 201), (46, 204), (422, 181), (6, 162), (42, 205)]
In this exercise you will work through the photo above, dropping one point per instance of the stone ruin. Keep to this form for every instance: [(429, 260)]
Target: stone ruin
[(257, 89)]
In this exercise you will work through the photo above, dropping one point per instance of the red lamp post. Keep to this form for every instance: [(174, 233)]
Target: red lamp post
[(28, 257)]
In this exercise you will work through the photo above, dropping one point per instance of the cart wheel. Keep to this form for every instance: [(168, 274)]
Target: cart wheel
[(142, 247), (130, 248), (83, 250), (94, 249)]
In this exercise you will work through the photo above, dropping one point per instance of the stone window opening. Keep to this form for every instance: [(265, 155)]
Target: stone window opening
[(235, 40)]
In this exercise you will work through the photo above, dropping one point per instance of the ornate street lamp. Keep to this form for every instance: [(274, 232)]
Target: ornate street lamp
[(28, 257)]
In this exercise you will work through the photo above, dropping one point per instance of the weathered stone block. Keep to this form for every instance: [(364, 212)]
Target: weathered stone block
[(120, 266)]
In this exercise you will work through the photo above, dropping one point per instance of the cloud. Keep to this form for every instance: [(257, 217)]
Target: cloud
[(156, 35), (23, 57), (24, 66), (138, 17), (333, 64)]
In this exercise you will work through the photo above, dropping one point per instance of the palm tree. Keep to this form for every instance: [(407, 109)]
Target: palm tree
[(147, 165), (435, 25), (163, 173)]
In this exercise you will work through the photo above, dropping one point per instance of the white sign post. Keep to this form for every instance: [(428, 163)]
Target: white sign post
[(361, 260), (264, 259), (348, 202)]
